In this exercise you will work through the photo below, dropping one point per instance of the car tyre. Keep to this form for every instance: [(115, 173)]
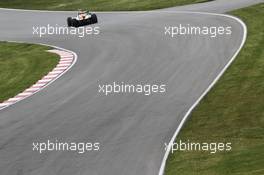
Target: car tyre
[(75, 23), (94, 18), (69, 21)]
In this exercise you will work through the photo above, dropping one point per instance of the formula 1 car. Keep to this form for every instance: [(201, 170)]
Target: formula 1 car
[(83, 18)]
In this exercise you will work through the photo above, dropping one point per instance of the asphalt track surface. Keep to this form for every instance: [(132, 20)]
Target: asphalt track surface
[(131, 129)]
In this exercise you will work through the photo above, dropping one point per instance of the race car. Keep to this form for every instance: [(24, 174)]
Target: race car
[(83, 18)]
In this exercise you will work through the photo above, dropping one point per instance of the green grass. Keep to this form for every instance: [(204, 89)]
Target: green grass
[(233, 111), (21, 65), (94, 5)]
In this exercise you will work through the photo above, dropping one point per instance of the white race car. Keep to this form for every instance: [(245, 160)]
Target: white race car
[(83, 18)]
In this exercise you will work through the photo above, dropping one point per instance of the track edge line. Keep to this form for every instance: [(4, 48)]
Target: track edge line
[(168, 150)]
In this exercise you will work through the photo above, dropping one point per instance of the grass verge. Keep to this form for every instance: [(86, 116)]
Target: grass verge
[(95, 5), (21, 65), (233, 111)]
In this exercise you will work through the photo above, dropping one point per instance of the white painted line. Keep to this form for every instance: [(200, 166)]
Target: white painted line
[(32, 89), (55, 72), (5, 104), (163, 163), (14, 99), (21, 97), (50, 76), (63, 65), (63, 55), (38, 85), (24, 94), (44, 81), (60, 68), (66, 59), (66, 56), (62, 62)]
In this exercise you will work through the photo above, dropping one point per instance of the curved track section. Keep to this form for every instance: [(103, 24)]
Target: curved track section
[(131, 129), (67, 60)]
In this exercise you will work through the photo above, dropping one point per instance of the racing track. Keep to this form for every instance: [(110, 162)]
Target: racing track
[(132, 129)]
